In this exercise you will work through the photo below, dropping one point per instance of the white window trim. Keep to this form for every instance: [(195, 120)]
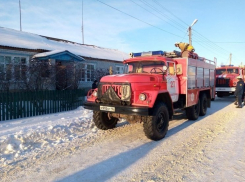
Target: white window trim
[(121, 67), (12, 62), (85, 72)]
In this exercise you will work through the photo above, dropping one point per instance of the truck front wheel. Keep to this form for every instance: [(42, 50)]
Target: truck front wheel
[(220, 94), (192, 112), (102, 121), (156, 126)]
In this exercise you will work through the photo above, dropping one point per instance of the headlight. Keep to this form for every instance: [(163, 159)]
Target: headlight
[(125, 92), (234, 83), (95, 94), (142, 97)]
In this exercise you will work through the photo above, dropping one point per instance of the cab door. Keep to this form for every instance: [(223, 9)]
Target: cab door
[(172, 81)]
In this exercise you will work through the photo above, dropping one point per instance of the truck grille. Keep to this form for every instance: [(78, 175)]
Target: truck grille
[(116, 88), (119, 93), (222, 82)]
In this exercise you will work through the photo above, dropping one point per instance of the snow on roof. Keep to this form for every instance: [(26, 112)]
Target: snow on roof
[(14, 38), (44, 54), (54, 53)]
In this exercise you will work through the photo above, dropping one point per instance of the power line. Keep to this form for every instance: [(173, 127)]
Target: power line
[(159, 5), (210, 41), (199, 36), (170, 13), (155, 15), (138, 19), (224, 42), (199, 39), (183, 22), (162, 13)]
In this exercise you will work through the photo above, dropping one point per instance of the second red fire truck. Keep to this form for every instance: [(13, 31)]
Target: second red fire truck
[(226, 79), (154, 86)]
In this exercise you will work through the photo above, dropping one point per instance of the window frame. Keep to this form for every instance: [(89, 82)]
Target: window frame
[(87, 75), (121, 69), (9, 74)]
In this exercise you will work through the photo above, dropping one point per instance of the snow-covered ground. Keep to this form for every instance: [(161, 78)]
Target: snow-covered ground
[(68, 147), (22, 136)]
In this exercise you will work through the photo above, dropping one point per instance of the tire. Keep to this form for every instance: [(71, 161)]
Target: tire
[(156, 126), (203, 105), (102, 121), (192, 112), (219, 94)]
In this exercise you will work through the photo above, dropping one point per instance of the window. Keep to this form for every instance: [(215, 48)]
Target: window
[(88, 74), (231, 70), (8, 67), (12, 67), (220, 71), (192, 72), (119, 69), (144, 67), (171, 68), (1, 67)]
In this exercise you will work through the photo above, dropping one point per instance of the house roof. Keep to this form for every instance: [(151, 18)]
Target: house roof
[(20, 39), (62, 55)]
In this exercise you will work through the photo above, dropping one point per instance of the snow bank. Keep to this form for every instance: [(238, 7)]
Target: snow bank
[(19, 137)]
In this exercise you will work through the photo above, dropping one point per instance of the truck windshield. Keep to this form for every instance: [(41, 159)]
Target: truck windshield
[(145, 67), (228, 71), (231, 70), (220, 71)]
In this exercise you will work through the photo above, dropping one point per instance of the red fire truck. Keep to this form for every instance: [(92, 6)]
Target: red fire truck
[(226, 79), (154, 86)]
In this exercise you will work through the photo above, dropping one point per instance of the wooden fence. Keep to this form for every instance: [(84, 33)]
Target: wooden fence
[(26, 104)]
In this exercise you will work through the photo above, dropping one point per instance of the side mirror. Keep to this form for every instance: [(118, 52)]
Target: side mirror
[(164, 68)]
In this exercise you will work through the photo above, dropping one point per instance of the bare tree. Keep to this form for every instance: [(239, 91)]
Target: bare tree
[(100, 72), (68, 75), (41, 75)]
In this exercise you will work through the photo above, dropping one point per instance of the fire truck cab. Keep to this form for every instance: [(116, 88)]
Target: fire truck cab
[(154, 85), (226, 79)]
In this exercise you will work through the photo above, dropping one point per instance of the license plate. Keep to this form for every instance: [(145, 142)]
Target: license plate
[(105, 108), (220, 89)]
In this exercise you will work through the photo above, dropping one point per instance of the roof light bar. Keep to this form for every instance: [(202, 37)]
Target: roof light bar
[(226, 65), (149, 53)]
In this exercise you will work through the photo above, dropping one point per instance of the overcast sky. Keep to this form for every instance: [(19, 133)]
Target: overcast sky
[(136, 25)]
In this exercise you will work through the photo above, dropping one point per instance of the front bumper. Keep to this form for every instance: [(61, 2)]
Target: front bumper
[(225, 89), (130, 110)]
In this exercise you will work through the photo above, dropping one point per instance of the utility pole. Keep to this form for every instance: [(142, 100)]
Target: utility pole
[(20, 16), (82, 23), (230, 58), (215, 61), (189, 30)]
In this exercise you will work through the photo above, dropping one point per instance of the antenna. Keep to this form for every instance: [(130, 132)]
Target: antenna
[(20, 16), (82, 23), (230, 58)]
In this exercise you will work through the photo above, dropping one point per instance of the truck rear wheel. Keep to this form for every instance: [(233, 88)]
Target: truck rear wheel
[(203, 105), (102, 121), (192, 112), (156, 126)]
